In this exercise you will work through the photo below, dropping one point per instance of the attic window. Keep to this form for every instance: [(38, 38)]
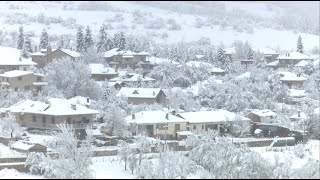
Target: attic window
[(135, 92)]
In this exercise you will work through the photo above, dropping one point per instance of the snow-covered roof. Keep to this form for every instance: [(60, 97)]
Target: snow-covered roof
[(139, 92), (294, 55), (210, 116), (125, 54), (101, 69), (40, 83), (15, 73), (153, 117), (302, 63), (297, 93), (81, 100), (198, 56), (23, 145), (215, 69), (198, 64), (244, 75), (273, 63), (316, 63), (316, 110), (231, 50), (134, 78), (55, 106), (296, 116), (289, 76), (267, 51), (37, 54), (156, 60), (12, 56), (71, 53), (264, 113)]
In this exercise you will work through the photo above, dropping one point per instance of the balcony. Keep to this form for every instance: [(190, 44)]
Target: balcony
[(37, 125)]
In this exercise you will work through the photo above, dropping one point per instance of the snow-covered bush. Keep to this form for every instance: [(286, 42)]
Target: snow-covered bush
[(157, 23), (299, 150), (9, 127), (173, 25)]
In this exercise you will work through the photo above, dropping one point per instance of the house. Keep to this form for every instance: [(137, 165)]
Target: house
[(262, 116), (11, 59), (124, 59), (44, 57), (269, 130), (229, 52), (132, 78), (25, 80), (143, 95), (200, 57), (296, 96), (292, 58), (218, 71), (84, 101), (46, 115), (27, 147), (156, 124), (269, 54), (291, 79), (100, 72), (221, 120)]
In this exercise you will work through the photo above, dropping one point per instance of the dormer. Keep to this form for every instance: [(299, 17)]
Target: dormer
[(135, 92)]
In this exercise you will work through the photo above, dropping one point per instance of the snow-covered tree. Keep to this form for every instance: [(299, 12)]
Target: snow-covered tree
[(92, 56), (122, 42), (71, 78), (144, 146), (250, 54), (20, 38), (124, 152), (117, 40), (61, 43), (132, 160), (311, 170), (44, 40), (72, 162), (221, 58), (102, 39), (27, 45), (10, 127), (299, 45), (80, 41), (88, 42)]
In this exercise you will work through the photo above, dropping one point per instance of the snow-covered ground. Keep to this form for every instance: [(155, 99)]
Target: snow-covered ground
[(260, 38), (5, 152)]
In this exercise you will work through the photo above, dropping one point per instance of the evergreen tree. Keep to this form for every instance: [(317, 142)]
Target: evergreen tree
[(250, 55), (221, 58), (20, 38), (300, 45), (102, 39), (80, 41), (44, 40), (116, 40), (27, 45), (88, 39), (24, 53), (122, 41), (61, 43), (108, 45)]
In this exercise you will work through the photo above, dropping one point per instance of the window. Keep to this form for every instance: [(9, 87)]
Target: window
[(177, 127), (202, 126), (24, 69), (83, 119), (38, 78), (194, 127), (53, 120), (44, 120), (34, 119), (20, 78)]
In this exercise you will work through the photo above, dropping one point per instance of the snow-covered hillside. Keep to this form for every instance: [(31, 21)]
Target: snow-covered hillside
[(136, 18)]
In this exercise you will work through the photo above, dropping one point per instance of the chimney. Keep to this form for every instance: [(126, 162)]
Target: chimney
[(88, 99), (154, 93), (167, 116), (19, 58), (298, 113), (133, 116), (73, 106), (173, 112), (35, 48), (116, 68), (49, 50), (288, 54)]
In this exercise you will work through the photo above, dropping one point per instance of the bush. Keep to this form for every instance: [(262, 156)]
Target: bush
[(299, 150)]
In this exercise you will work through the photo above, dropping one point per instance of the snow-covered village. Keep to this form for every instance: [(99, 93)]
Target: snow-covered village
[(159, 90)]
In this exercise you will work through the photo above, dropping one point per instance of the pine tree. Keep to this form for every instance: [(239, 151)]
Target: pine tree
[(28, 45), (221, 58), (300, 45), (80, 41), (20, 38), (44, 40), (108, 45), (88, 39), (122, 41), (250, 55), (116, 40), (61, 43), (102, 38), (24, 52)]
